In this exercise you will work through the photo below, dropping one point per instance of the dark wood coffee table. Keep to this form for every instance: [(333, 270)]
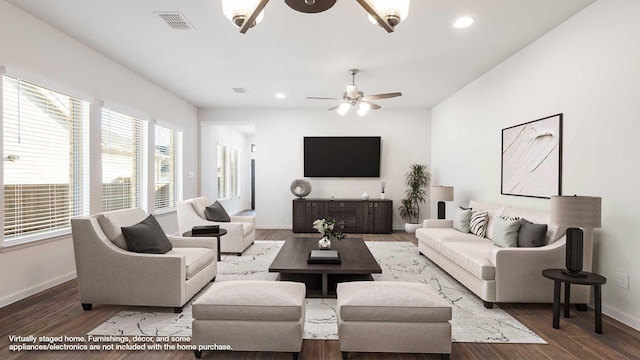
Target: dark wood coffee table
[(322, 279)]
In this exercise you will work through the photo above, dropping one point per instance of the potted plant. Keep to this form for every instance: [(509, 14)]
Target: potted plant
[(417, 180)]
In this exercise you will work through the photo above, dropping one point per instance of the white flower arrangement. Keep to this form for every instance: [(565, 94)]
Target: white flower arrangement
[(326, 228)]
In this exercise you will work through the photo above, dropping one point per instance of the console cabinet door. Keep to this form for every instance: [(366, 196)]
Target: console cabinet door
[(305, 213), (379, 217)]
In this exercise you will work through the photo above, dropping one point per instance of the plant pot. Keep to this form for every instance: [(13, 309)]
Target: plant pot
[(411, 228)]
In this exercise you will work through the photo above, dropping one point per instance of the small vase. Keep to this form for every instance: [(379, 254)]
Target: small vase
[(364, 195), (382, 196), (324, 243)]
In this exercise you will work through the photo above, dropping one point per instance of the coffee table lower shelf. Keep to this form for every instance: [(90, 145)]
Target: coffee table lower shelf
[(323, 285)]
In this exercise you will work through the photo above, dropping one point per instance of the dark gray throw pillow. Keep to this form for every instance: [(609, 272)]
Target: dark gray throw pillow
[(146, 236), (530, 234), (216, 212)]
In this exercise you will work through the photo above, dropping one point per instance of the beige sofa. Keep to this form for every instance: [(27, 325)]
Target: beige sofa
[(241, 231), (110, 274), (497, 274)]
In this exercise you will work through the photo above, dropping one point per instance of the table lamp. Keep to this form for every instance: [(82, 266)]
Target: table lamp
[(575, 212), (441, 194)]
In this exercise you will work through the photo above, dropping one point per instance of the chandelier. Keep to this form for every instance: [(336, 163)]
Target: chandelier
[(246, 14)]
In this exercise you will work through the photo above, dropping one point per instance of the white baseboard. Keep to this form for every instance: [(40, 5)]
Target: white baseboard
[(274, 227), (22, 294), (621, 316)]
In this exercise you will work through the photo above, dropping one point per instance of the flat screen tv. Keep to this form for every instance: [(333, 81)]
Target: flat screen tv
[(342, 156)]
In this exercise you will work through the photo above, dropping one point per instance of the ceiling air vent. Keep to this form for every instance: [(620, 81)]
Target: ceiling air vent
[(239, 90), (176, 20)]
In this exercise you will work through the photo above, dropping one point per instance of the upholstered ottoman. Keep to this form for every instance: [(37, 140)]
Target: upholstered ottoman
[(389, 316), (250, 316)]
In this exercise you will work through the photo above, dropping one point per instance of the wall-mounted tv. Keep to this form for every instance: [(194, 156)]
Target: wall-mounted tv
[(342, 156)]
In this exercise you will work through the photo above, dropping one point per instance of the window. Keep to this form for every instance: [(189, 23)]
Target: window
[(123, 167), (45, 136), (222, 171), (234, 170), (167, 146)]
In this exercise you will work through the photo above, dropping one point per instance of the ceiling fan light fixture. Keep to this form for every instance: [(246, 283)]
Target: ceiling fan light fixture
[(363, 108), (239, 10), (343, 108), (394, 11)]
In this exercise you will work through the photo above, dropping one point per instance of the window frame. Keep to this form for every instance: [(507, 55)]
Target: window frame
[(175, 152), (78, 150), (140, 171)]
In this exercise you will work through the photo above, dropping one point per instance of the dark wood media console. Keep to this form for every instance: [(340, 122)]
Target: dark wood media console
[(352, 215)]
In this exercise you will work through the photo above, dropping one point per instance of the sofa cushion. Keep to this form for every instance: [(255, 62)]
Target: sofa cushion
[(492, 210), (199, 204), (252, 300), (472, 254), (112, 222), (462, 219), (478, 222), (391, 301), (216, 212), (530, 234), (196, 259), (505, 232), (146, 236), (538, 217)]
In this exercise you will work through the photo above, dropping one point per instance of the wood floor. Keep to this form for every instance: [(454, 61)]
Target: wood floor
[(57, 311)]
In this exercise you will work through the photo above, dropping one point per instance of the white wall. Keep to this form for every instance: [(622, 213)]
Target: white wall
[(589, 69), (30, 46), (212, 135), (279, 136)]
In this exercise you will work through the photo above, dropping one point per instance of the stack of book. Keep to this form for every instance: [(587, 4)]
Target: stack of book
[(324, 257), (209, 229)]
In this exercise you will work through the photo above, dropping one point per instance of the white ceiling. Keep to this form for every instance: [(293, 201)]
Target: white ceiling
[(306, 54)]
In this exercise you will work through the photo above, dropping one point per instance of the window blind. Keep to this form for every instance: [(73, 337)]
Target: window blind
[(45, 160), (122, 160), (167, 164)]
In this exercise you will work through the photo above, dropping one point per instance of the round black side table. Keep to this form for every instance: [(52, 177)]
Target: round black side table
[(559, 277), (217, 235)]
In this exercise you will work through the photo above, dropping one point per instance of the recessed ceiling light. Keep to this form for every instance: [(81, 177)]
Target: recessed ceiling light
[(463, 22), (281, 96)]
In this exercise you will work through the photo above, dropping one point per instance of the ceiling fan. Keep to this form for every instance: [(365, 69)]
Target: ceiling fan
[(357, 99)]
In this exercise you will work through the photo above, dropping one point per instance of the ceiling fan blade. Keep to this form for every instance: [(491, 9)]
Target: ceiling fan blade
[(372, 105), (335, 107), (383, 96), (322, 98)]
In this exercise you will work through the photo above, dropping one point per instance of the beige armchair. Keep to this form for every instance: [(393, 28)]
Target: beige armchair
[(241, 231), (110, 274)]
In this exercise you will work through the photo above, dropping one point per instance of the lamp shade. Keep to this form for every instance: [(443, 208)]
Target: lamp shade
[(576, 211), (442, 193), (399, 8), (233, 9)]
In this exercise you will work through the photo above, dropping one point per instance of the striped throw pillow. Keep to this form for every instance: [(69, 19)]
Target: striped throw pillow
[(478, 223)]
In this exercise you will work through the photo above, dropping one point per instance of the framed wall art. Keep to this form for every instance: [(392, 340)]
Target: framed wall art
[(532, 158)]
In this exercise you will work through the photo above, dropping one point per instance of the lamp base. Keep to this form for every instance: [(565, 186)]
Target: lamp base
[(574, 274), (441, 210), (574, 252)]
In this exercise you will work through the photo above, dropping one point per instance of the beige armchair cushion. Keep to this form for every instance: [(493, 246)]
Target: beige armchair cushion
[(196, 259), (111, 223)]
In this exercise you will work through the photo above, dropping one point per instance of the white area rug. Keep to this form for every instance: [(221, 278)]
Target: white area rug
[(399, 261)]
